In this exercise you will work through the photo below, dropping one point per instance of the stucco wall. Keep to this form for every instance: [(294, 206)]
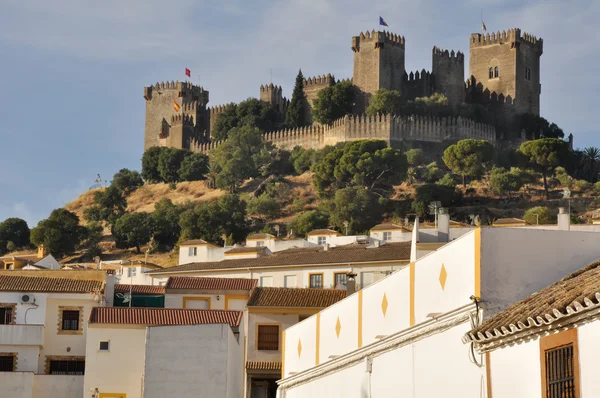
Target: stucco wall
[(515, 370), (589, 350), (284, 321), (35, 316), (53, 386), (16, 384)]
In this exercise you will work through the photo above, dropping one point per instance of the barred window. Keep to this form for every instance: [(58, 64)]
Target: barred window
[(70, 320), (67, 367), (340, 278), (268, 337), (6, 315), (316, 281), (560, 374), (7, 363)]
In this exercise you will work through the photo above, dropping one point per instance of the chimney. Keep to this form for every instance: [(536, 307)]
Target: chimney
[(42, 251), (443, 231), (351, 283), (564, 220), (109, 288), (326, 247)]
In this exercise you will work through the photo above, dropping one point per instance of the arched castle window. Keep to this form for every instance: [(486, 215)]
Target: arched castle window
[(491, 76), (496, 71)]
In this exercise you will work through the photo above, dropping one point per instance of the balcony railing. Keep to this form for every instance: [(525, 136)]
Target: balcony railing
[(22, 335)]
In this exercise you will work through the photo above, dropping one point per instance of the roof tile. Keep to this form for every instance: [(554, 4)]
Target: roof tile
[(260, 365), (139, 289), (295, 297), (201, 283), (163, 316), (18, 283)]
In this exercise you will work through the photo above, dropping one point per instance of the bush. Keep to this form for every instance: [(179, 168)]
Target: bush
[(193, 167), (502, 181), (582, 185), (544, 216), (358, 207), (597, 187), (563, 177), (432, 173), (415, 157), (302, 159), (263, 207), (308, 221), (447, 181), (298, 204), (427, 193)]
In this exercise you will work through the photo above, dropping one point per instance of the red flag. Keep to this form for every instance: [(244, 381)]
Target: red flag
[(188, 73)]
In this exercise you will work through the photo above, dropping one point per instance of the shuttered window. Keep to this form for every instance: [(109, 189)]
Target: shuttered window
[(70, 320), (67, 367), (7, 363), (268, 337), (560, 374)]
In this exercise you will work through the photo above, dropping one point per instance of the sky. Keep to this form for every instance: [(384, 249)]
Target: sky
[(73, 71)]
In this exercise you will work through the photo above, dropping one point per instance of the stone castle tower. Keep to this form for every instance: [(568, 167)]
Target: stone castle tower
[(448, 69), (508, 63)]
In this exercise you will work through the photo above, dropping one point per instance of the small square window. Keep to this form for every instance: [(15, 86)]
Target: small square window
[(260, 243), (321, 240), (193, 251), (316, 281), (387, 236), (131, 271), (104, 346), (70, 320)]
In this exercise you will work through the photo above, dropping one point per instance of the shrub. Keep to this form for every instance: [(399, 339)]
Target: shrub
[(263, 207), (582, 185), (563, 177), (447, 181), (415, 157), (308, 221), (544, 216), (597, 187), (427, 193), (432, 173)]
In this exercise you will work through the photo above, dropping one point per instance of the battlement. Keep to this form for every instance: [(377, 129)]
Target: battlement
[(378, 38), (322, 80), (416, 76), (347, 80), (183, 89), (449, 57), (182, 119), (215, 110), (512, 35), (270, 88)]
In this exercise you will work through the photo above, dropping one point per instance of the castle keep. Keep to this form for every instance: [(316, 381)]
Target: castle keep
[(504, 76)]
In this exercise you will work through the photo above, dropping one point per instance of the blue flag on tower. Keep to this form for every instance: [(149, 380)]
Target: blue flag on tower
[(382, 22)]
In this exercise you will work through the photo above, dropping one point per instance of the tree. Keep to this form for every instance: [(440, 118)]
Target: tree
[(169, 163), (193, 167), (384, 102), (306, 222), (13, 230), (537, 127), (432, 173), (127, 180), (539, 215), (264, 207), (91, 240), (166, 223), (427, 193), (225, 121), (109, 205), (60, 233), (271, 160), (296, 111), (133, 230), (502, 181), (370, 164), (251, 112), (448, 181), (545, 154), (302, 159), (150, 164), (334, 102), (469, 157), (590, 163), (356, 206), (223, 217), (415, 157)]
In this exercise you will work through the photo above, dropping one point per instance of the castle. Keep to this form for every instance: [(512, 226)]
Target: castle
[(504, 76)]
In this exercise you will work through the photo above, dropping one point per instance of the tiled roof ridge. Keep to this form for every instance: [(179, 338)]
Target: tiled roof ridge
[(578, 306), (173, 316), (44, 284), (210, 283), (295, 297), (139, 289)]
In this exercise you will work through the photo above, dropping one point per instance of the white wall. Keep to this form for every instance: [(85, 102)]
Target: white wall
[(398, 235), (16, 384), (35, 316), (352, 382), (515, 370), (53, 386), (284, 321), (204, 253), (589, 351)]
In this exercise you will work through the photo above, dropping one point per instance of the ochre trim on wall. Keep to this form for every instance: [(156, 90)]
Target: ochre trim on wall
[(283, 354), (278, 324), (360, 310), (15, 356), (317, 338), (235, 297), (284, 310), (113, 395), (196, 298), (412, 294), (488, 374), (62, 308), (555, 341), (477, 289)]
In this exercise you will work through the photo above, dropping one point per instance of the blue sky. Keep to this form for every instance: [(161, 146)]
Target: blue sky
[(74, 70)]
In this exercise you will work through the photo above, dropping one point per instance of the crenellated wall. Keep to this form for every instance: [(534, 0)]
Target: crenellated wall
[(418, 84)]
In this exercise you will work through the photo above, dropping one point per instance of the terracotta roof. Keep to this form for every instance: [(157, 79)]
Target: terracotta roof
[(261, 236), (163, 316), (139, 289), (246, 249), (353, 253), (9, 283), (504, 221), (194, 242), (323, 232), (181, 282), (576, 293), (295, 297), (259, 365), (389, 227)]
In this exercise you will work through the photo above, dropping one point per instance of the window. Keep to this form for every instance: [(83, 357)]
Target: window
[(260, 243), (192, 251), (70, 320), (340, 278), (104, 346), (131, 272), (496, 71), (289, 281), (7, 362), (316, 281), (491, 73), (560, 367), (195, 302), (266, 281), (7, 313), (387, 236), (321, 240), (66, 366), (267, 337)]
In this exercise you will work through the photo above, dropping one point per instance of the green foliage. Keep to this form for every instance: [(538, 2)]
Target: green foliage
[(431, 173), (384, 102), (545, 154), (448, 181), (133, 230), (296, 111), (109, 205), (91, 241), (165, 224), (225, 121), (469, 157), (302, 159), (308, 221), (150, 164), (427, 193), (15, 231), (193, 167), (502, 181), (334, 102), (563, 177), (271, 160), (537, 127), (597, 187), (358, 207), (264, 207), (60, 233), (434, 105), (411, 176), (127, 180), (298, 204), (370, 164), (543, 215), (582, 185), (415, 157), (169, 163), (251, 112), (234, 160)]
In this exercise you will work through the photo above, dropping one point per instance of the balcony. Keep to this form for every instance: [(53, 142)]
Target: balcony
[(22, 335)]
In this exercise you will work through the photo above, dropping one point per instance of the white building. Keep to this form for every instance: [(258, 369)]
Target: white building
[(43, 331), (275, 244), (402, 336), (159, 352)]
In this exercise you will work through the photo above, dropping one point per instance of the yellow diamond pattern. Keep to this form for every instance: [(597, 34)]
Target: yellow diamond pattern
[(338, 327), (443, 276), (384, 304), (299, 348)]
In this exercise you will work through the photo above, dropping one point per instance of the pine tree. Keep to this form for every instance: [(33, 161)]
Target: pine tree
[(296, 112)]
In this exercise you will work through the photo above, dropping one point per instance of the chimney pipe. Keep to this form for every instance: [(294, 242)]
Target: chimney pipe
[(351, 283), (443, 231), (564, 220)]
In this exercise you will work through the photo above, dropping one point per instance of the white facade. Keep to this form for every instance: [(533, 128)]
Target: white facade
[(200, 253)]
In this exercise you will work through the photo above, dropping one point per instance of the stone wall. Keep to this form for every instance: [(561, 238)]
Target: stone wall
[(448, 69)]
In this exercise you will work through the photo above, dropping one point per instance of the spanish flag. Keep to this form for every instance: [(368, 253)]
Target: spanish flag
[(176, 106)]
